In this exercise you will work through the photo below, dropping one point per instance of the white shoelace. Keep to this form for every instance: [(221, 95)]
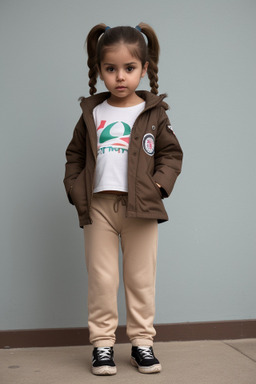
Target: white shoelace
[(146, 352), (104, 353)]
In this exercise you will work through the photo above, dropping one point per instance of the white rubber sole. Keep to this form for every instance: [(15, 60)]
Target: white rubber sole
[(105, 370), (151, 369)]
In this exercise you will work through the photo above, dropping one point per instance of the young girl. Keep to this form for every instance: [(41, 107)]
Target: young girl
[(122, 161)]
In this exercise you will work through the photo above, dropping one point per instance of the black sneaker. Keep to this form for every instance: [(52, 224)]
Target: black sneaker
[(144, 359), (103, 361)]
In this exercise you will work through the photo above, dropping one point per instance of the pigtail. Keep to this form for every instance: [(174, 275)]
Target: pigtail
[(153, 55), (92, 41)]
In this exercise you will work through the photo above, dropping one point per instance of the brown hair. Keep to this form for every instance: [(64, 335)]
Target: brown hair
[(101, 37)]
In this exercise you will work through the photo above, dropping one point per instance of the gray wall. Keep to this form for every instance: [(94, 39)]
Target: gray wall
[(206, 263)]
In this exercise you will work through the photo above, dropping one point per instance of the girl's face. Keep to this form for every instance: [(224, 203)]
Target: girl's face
[(121, 73)]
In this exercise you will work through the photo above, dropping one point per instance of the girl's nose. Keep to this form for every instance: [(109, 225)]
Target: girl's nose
[(120, 75)]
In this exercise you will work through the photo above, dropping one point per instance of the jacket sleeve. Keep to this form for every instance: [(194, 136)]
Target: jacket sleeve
[(168, 156), (75, 155)]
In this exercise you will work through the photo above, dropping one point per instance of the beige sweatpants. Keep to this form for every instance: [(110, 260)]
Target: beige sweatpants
[(139, 247)]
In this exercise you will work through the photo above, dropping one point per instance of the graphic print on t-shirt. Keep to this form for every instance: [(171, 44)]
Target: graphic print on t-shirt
[(113, 137)]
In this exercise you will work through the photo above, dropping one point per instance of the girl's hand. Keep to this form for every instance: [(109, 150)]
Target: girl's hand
[(162, 190)]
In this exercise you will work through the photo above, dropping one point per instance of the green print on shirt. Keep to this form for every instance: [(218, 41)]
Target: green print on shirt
[(106, 135)]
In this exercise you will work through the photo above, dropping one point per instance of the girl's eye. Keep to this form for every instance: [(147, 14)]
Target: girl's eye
[(130, 69), (110, 69)]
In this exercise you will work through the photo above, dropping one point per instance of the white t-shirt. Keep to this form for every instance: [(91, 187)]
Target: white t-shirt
[(114, 125)]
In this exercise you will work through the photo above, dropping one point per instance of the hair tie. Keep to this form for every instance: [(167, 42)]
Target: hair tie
[(107, 28), (138, 28)]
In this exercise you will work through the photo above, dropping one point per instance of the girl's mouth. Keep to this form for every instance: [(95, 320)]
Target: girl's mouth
[(120, 88)]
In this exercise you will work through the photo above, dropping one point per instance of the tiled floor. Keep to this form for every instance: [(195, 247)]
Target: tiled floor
[(199, 362)]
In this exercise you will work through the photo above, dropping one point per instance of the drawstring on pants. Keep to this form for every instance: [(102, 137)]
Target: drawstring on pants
[(120, 199)]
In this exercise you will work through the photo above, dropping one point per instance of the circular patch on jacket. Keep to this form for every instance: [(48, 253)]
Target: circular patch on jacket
[(148, 144)]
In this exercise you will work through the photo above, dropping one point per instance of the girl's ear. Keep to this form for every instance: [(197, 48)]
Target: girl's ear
[(144, 69)]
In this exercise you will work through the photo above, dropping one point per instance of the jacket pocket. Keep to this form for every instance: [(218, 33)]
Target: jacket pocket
[(78, 193), (156, 186)]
